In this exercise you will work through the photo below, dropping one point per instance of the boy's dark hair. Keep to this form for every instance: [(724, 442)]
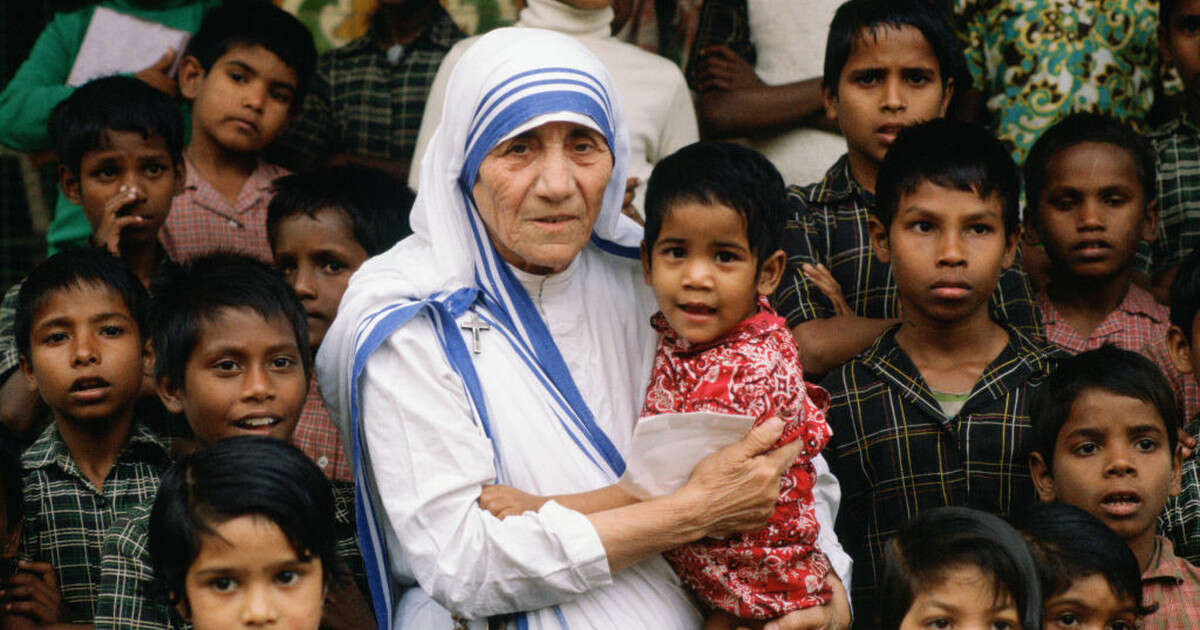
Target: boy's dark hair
[(947, 537), (1166, 10), (240, 476), (185, 297), (1185, 294), (720, 173), (864, 18), (376, 203), (81, 121), (1077, 129), (1070, 545), (71, 269), (256, 23), (952, 154), (1108, 369)]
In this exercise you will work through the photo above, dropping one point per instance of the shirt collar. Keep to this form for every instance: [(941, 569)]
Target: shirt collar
[(441, 32), (260, 180), (1164, 564), (51, 450), (1137, 301), (839, 185)]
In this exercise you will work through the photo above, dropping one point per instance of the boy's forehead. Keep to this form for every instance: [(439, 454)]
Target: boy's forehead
[(126, 139), (896, 44), (261, 60), (1088, 159), (1101, 409), (930, 196), (79, 299)]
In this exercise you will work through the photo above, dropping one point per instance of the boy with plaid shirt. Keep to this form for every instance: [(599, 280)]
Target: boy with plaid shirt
[(888, 64), (933, 413), (80, 329)]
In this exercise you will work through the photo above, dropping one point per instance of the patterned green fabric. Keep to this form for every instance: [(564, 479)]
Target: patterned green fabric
[(66, 515), (1177, 145), (363, 105), (1037, 60), (1180, 521), (896, 454)]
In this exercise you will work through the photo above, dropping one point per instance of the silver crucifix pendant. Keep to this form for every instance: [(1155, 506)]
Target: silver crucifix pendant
[(475, 325)]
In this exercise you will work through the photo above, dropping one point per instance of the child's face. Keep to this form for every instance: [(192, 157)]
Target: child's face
[(243, 102), (1092, 212), (1111, 458), (243, 377), (1180, 45), (86, 356), (247, 575), (129, 176), (947, 249), (964, 599), (891, 80), (1090, 604), (703, 272), (317, 256)]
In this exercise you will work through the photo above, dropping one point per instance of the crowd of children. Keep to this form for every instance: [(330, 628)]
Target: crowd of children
[(1009, 455)]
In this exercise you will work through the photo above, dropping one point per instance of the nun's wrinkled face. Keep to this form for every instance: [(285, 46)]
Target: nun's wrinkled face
[(539, 194)]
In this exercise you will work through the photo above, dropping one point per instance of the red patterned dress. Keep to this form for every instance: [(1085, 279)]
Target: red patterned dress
[(754, 370)]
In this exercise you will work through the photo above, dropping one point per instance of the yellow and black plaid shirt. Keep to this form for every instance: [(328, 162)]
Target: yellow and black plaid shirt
[(828, 225), (896, 453)]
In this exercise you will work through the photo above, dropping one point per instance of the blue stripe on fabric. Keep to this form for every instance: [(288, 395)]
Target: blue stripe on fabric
[(562, 620), (523, 109), (615, 249), (591, 87), (517, 77)]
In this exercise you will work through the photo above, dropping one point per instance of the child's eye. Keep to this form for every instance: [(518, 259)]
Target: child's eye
[(1114, 200), (283, 96), (1066, 620), (922, 227), (154, 170), (1146, 445), (287, 578), (980, 229), (1119, 624), (105, 173), (226, 365), (917, 77), (1087, 448), (1002, 625), (870, 77), (55, 338), (223, 584), (333, 266), (237, 77), (940, 623), (673, 252), (1064, 203), (726, 257), (282, 362), (112, 331)]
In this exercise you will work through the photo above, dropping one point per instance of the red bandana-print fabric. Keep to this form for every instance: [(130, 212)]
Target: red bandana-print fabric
[(754, 370)]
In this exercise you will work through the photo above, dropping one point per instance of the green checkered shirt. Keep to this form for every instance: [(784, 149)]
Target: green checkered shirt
[(361, 104), (828, 225), (131, 598), (1177, 145), (1180, 521), (895, 453), (66, 515)]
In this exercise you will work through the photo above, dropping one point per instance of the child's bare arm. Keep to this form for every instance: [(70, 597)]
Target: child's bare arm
[(503, 501), (827, 343)]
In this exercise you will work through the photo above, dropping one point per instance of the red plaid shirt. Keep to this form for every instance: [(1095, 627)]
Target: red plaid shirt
[(202, 221), (753, 370), (317, 436), (1138, 324), (1174, 584)]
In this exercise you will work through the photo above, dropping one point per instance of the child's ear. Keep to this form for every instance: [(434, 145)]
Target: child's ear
[(190, 76), (1043, 479), (829, 99), (947, 96), (170, 394), (1176, 483), (645, 253), (878, 233), (147, 359), (771, 272), (1029, 231), (1180, 350), (1150, 223), (68, 181), (27, 372), (181, 606), (1010, 248)]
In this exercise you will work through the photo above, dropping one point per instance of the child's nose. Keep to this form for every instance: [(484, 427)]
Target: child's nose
[(258, 607), (697, 273), (85, 351), (257, 385), (950, 249)]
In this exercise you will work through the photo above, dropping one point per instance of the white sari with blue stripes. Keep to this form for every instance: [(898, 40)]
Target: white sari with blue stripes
[(547, 405)]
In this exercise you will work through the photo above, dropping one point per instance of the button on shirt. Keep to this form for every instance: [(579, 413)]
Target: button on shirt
[(202, 221)]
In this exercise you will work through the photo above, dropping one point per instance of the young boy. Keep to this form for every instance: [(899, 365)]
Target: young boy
[(40, 84), (1089, 181), (232, 357), (322, 225), (934, 412), (80, 329), (1105, 440), (714, 213), (245, 72), (888, 64), (120, 145), (1181, 520), (1177, 144)]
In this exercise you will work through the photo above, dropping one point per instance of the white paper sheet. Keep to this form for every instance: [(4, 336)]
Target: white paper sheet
[(665, 448), (117, 43)]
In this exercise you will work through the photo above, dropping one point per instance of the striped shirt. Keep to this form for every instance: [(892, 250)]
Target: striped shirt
[(828, 226), (1174, 585), (202, 221), (66, 515), (896, 453)]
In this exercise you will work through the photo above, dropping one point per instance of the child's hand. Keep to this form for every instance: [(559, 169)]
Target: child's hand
[(34, 593), (720, 68), (505, 501), (627, 208), (118, 214), (1187, 444), (157, 76), (825, 282)]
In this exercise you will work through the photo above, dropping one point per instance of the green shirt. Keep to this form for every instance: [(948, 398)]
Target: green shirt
[(41, 83)]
